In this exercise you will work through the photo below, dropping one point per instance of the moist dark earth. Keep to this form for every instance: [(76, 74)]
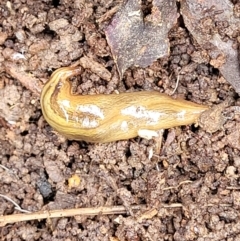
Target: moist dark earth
[(185, 183)]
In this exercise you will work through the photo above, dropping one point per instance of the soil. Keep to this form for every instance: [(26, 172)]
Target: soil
[(192, 179)]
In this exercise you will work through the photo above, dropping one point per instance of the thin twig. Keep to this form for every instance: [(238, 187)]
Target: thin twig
[(5, 168), (233, 188), (17, 207), (82, 211), (65, 213), (108, 14), (178, 77), (175, 187), (11, 172)]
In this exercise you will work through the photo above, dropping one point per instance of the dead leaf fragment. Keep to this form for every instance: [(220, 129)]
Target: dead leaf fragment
[(135, 41), (213, 24)]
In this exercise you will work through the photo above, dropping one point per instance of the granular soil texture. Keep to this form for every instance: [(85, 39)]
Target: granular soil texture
[(182, 186)]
